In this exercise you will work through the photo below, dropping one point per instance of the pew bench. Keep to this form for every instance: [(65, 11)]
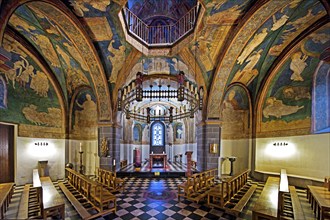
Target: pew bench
[(278, 200), (241, 199), (110, 180), (100, 197), (198, 186), (227, 189), (23, 208), (6, 192), (82, 211), (298, 212)]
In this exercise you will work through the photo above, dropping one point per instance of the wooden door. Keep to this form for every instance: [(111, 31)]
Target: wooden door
[(6, 153)]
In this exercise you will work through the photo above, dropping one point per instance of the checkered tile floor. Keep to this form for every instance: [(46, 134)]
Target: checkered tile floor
[(157, 199)]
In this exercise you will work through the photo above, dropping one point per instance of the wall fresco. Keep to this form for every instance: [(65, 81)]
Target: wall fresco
[(234, 114), (27, 95), (84, 116), (288, 99), (234, 50), (51, 41), (82, 49), (218, 21), (106, 32), (272, 37)]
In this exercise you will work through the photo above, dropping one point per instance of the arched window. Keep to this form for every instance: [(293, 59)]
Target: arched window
[(157, 134), (137, 133)]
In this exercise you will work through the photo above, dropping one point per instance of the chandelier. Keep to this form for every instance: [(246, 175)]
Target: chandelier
[(187, 93)]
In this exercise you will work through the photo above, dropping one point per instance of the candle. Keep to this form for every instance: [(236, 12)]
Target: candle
[(80, 150)]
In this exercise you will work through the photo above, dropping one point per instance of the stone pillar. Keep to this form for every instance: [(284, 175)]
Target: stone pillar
[(112, 135), (188, 173), (207, 133)]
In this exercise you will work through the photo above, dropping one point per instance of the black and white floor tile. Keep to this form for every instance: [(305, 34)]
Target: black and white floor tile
[(156, 198)]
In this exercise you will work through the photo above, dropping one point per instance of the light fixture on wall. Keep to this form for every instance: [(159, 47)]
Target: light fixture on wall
[(281, 143), (134, 91), (41, 143)]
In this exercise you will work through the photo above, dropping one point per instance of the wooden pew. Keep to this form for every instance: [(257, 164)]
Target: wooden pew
[(232, 194), (94, 192), (23, 209), (278, 200), (53, 204), (297, 209), (110, 180), (197, 186), (31, 203), (266, 206), (82, 211), (6, 192)]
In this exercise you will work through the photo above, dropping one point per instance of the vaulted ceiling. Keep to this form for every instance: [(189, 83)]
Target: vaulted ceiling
[(81, 43)]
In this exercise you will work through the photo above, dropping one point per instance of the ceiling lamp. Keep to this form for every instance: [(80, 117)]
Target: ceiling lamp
[(134, 91)]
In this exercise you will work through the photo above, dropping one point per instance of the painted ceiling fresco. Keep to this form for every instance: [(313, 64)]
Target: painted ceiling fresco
[(236, 41), (288, 101), (28, 95), (59, 51), (255, 48)]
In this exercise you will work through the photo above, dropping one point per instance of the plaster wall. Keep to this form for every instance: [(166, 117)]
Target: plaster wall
[(235, 148), (305, 156), (28, 155)]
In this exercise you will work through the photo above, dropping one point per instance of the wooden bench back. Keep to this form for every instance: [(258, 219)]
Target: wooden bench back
[(203, 179), (235, 183), (83, 184), (106, 177)]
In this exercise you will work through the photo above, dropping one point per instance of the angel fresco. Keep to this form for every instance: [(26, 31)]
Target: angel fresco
[(247, 74), (117, 60), (279, 23), (20, 23), (11, 74), (256, 41), (80, 8), (275, 107), (293, 29), (75, 78), (40, 83), (47, 48), (11, 45), (298, 65), (23, 76), (76, 55)]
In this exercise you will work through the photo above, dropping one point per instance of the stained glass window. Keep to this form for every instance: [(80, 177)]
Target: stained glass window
[(157, 134)]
